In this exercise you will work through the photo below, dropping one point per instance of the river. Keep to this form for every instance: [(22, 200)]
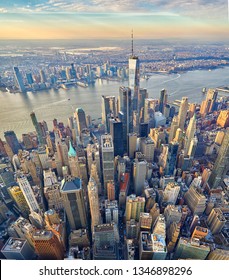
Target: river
[(15, 109)]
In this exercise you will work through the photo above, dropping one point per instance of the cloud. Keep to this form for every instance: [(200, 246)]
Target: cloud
[(195, 8), (3, 10)]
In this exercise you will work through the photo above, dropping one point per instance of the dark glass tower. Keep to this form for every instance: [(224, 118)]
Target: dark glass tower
[(162, 100), (221, 166), (172, 158), (116, 131), (19, 79), (12, 141), (38, 128)]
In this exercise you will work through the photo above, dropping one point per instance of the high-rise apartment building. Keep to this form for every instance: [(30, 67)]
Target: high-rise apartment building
[(19, 80), (216, 220), (134, 206), (173, 214), (195, 200), (170, 193), (111, 211)]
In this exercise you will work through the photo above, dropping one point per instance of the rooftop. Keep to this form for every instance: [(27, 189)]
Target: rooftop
[(42, 234), (104, 227), (14, 244), (69, 184)]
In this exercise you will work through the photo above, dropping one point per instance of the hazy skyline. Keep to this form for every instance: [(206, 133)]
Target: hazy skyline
[(70, 19)]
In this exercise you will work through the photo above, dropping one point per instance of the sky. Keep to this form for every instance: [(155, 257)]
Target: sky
[(106, 19)]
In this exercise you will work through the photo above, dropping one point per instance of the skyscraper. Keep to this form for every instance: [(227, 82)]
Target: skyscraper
[(28, 193), (111, 211), (139, 176), (190, 133), (12, 141), (74, 202), (20, 200), (80, 119), (38, 129), (142, 95), (191, 248), (163, 100), (93, 154), (108, 110), (195, 200), (171, 158), (73, 161), (125, 112), (47, 245), (183, 112), (107, 158), (134, 76), (116, 131), (170, 193), (134, 206), (95, 175), (221, 165), (147, 148), (111, 190), (19, 79), (132, 144), (94, 203), (216, 220), (105, 242), (62, 151), (43, 76), (17, 249)]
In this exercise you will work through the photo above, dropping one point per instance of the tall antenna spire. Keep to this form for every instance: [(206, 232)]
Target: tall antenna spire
[(132, 42)]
